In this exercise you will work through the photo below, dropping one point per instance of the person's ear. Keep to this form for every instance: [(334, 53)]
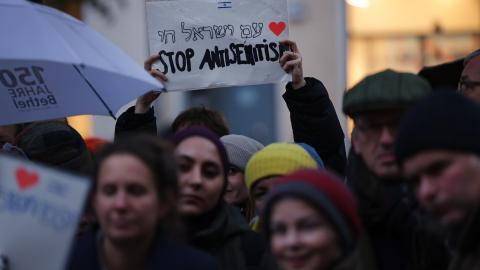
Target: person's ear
[(356, 144)]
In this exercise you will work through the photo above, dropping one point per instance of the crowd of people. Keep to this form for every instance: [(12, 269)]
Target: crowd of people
[(194, 196)]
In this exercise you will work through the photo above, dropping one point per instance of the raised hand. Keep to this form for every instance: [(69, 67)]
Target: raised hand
[(143, 102), (291, 62)]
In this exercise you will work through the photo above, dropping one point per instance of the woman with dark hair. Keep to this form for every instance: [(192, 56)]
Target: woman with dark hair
[(311, 222), (134, 198), (213, 225)]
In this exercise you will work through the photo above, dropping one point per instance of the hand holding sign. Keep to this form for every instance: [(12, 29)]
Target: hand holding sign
[(204, 44), (291, 62), (144, 102), (154, 72)]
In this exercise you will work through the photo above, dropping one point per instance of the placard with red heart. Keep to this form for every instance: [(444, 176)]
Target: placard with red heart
[(26, 179), (277, 27), (205, 44)]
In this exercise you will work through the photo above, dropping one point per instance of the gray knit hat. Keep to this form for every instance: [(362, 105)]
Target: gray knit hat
[(240, 149)]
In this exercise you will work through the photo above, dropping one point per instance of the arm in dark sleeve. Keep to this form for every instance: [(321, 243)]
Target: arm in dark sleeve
[(129, 122), (315, 122)]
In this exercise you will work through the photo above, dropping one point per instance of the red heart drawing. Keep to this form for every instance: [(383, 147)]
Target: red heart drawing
[(26, 179), (277, 28)]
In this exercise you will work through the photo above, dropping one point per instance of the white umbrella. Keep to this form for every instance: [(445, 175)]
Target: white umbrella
[(52, 65)]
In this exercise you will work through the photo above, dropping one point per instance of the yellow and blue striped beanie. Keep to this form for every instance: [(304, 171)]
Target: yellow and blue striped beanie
[(277, 159)]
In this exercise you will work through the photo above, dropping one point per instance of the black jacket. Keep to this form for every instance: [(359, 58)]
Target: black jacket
[(467, 253), (166, 254), (130, 122), (315, 122)]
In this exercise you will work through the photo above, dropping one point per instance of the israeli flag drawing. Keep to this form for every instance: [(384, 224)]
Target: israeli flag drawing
[(224, 4)]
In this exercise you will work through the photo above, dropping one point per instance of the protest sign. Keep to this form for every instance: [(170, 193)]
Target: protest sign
[(39, 211), (216, 43)]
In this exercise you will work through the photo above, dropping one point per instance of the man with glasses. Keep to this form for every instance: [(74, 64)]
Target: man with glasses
[(469, 84), (389, 215)]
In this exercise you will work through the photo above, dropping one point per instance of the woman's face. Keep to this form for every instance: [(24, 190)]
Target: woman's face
[(236, 192), (260, 190), (126, 199), (201, 176), (301, 238)]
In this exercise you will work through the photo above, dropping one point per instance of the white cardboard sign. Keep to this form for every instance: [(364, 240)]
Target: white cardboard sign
[(216, 43), (39, 212)]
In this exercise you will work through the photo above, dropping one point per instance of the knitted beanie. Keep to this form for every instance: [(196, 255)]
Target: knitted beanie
[(200, 131), (327, 193), (277, 159), (313, 153), (443, 121), (240, 149)]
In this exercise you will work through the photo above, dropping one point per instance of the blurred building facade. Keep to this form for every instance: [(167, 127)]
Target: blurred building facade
[(409, 34)]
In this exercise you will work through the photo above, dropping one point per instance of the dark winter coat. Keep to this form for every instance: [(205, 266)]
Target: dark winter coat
[(166, 254), (392, 221), (313, 117), (467, 254), (315, 122), (129, 122), (361, 259), (229, 239)]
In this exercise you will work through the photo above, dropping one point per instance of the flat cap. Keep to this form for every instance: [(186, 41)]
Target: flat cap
[(385, 90)]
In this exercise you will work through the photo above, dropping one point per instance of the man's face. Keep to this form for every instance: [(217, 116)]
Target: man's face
[(447, 184), (469, 84), (374, 139)]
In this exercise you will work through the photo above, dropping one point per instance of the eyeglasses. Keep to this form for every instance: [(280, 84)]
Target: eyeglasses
[(373, 130), (465, 85)]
